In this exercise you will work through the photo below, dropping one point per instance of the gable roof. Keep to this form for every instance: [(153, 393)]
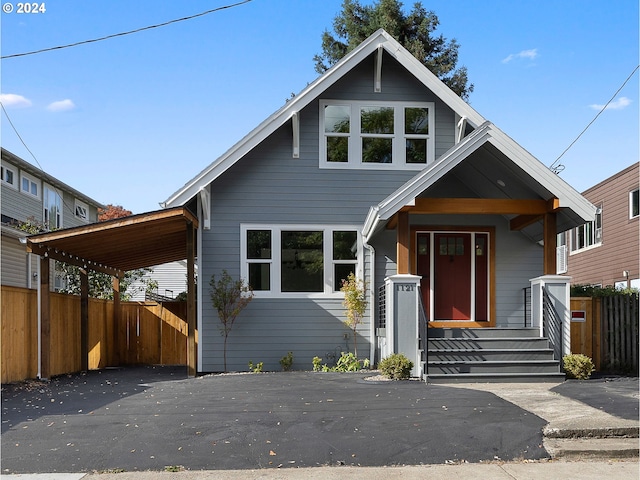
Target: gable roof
[(380, 39), (496, 157)]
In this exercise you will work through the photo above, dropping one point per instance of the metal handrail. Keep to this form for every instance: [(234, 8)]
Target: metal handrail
[(552, 324)]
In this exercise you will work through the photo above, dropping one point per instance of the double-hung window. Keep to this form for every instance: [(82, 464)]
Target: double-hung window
[(376, 135), (29, 185), (298, 260), (9, 177), (587, 235)]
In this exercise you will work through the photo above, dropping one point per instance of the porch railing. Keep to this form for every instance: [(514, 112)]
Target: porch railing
[(551, 324), (382, 306), (526, 306)]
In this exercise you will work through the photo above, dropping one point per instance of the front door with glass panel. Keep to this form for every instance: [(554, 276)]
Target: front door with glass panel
[(455, 275)]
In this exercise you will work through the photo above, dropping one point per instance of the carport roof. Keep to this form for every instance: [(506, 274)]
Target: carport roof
[(122, 244)]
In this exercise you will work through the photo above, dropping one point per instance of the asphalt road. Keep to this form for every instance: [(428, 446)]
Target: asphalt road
[(148, 418)]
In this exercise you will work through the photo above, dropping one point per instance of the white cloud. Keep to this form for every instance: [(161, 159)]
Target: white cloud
[(14, 100), (531, 54), (61, 106), (618, 104)]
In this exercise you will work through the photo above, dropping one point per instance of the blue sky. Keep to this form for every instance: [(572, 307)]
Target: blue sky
[(129, 120)]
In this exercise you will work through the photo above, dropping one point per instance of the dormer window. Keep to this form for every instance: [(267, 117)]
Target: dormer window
[(376, 135)]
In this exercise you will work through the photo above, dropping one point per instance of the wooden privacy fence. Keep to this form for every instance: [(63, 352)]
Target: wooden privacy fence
[(606, 329), (148, 333), (619, 331)]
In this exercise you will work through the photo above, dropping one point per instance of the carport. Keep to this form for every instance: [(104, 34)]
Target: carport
[(115, 247)]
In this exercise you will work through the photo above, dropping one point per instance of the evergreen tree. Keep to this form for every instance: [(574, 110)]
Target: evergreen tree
[(415, 31)]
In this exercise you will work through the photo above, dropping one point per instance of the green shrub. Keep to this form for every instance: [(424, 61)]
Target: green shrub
[(396, 366), (578, 366), (317, 364), (257, 367), (287, 361), (346, 363)]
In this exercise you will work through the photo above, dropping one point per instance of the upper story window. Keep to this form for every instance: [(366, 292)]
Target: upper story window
[(587, 235), (299, 260), (29, 185), (52, 208), (376, 135), (81, 210), (9, 176), (634, 203)]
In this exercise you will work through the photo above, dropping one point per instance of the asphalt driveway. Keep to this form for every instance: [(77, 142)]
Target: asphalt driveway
[(148, 418)]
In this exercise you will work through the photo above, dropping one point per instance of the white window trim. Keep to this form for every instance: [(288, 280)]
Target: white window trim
[(78, 203), (631, 215), (399, 145), (16, 178), (275, 259), (595, 244), (31, 179)]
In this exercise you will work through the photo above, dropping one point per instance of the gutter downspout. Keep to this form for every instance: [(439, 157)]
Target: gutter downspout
[(372, 303)]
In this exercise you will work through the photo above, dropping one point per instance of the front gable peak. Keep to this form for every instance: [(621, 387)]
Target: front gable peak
[(377, 44)]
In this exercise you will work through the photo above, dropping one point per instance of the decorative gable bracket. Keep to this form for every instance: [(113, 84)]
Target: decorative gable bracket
[(295, 125), (205, 202), (377, 80)]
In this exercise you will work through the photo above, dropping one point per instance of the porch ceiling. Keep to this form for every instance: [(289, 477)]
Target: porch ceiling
[(120, 245), (489, 174)]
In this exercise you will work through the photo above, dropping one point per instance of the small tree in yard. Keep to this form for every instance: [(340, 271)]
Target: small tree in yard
[(229, 297), (355, 303)]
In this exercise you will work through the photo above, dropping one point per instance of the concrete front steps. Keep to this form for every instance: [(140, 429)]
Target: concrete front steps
[(468, 355)]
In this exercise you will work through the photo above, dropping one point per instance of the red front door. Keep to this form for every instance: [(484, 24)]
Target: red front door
[(452, 276), (454, 268)]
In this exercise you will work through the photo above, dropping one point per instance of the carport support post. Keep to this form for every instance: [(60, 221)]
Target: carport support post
[(84, 319), (45, 319), (117, 315), (191, 303)]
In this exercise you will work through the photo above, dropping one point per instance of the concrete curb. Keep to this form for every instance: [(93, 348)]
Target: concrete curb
[(607, 432)]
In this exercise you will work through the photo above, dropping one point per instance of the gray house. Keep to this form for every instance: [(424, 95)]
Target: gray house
[(378, 168), (31, 195)]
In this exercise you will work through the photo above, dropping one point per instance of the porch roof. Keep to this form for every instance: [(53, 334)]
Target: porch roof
[(490, 165), (122, 244)]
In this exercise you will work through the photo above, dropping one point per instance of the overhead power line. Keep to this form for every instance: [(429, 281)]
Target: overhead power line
[(60, 47), (555, 166)]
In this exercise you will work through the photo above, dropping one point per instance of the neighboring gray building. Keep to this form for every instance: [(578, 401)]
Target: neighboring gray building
[(380, 169), (31, 195)]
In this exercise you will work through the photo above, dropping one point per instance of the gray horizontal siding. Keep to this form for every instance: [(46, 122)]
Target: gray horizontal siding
[(14, 263), (269, 328)]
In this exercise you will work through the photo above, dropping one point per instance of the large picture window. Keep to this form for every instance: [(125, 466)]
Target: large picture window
[(298, 260), (376, 135)]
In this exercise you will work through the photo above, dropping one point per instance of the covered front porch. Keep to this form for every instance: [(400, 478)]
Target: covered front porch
[(472, 233)]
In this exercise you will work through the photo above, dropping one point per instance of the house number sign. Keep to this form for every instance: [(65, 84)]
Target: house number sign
[(405, 287)]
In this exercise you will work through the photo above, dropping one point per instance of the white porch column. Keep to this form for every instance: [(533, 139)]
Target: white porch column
[(558, 288), (402, 329)]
